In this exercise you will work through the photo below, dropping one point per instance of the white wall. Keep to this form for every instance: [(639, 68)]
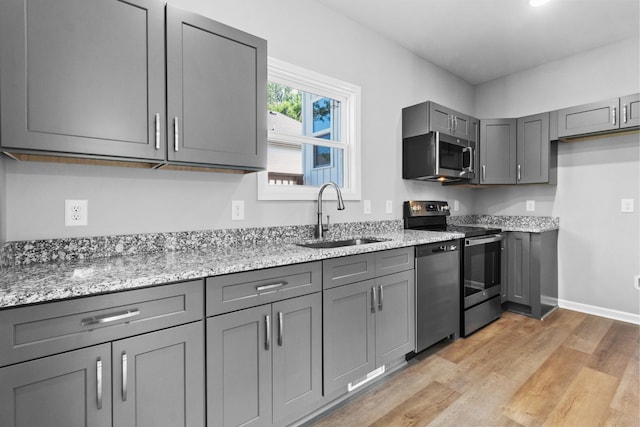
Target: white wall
[(599, 247), (125, 201)]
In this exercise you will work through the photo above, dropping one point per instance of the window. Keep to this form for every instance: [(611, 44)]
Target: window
[(313, 135)]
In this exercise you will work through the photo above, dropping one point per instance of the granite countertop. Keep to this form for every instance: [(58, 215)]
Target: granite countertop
[(51, 281), (527, 224)]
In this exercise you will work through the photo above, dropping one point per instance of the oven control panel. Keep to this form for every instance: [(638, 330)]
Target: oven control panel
[(414, 208)]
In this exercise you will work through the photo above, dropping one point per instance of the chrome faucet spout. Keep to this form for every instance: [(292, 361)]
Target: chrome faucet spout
[(321, 228)]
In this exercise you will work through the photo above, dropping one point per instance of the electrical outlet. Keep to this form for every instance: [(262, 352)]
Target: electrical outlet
[(389, 207), (237, 210), (367, 207), (456, 205), (531, 205), (76, 212), (626, 205)]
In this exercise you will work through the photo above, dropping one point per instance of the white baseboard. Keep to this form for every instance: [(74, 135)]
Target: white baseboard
[(600, 311)]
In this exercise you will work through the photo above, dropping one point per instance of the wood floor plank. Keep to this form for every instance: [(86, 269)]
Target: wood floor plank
[(616, 348), (627, 397), (421, 408), (620, 419), (586, 401), (589, 333), (530, 405)]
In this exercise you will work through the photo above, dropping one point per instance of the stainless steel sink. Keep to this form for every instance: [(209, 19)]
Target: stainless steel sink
[(340, 243)]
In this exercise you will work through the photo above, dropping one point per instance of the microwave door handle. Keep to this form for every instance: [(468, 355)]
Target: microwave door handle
[(437, 144), (469, 168)]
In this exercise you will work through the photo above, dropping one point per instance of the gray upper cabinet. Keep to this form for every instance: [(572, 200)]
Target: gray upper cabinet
[(533, 149), (630, 111), (446, 120), (429, 116), (83, 77), (498, 146), (217, 96), (589, 118)]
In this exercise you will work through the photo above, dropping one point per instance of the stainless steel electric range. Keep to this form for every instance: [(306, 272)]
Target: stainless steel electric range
[(480, 268)]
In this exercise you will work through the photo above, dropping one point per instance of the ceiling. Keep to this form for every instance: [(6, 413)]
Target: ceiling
[(480, 40)]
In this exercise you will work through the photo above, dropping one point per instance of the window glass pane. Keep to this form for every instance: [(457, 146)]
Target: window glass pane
[(322, 115), (312, 165)]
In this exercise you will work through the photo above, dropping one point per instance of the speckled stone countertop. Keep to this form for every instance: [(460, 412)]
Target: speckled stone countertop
[(528, 224), (71, 275)]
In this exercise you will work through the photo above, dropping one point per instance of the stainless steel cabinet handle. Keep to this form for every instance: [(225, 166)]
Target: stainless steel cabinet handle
[(624, 113), (455, 123), (99, 383), (124, 376), (484, 172), (111, 317), (176, 133), (613, 116), (380, 300), (450, 123), (519, 172), (374, 303), (157, 123), (281, 329), (267, 341), (271, 286)]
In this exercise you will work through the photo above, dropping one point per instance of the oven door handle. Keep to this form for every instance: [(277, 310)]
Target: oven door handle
[(483, 240)]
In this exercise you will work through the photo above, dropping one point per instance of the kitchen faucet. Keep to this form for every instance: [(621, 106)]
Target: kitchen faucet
[(320, 227)]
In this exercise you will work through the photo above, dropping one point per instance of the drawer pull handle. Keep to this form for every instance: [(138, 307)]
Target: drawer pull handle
[(99, 383), (113, 317), (270, 287), (157, 129), (124, 377)]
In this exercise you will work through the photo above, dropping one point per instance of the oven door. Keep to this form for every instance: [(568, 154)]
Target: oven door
[(454, 157), (482, 269)]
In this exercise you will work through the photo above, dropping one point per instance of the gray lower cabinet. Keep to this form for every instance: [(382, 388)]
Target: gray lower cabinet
[(532, 273), (264, 363), (216, 92), (149, 380), (368, 323), (498, 147), (83, 77)]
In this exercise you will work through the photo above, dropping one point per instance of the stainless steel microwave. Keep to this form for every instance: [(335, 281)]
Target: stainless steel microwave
[(436, 156)]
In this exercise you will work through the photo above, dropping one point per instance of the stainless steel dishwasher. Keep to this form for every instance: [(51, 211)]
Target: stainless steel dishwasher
[(437, 293)]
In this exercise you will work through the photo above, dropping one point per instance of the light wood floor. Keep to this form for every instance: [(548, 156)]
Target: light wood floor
[(572, 369)]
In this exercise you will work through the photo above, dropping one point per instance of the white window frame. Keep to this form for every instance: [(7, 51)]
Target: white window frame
[(349, 97)]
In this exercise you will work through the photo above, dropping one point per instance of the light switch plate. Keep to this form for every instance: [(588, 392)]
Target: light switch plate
[(389, 207), (531, 205), (367, 207), (626, 205)]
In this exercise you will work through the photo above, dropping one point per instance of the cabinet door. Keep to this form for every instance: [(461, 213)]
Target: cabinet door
[(533, 149), (395, 317), (349, 334), (239, 368), (519, 285), (446, 120), (630, 111), (297, 357), (158, 378), (83, 76), (71, 389), (589, 118), (498, 151), (216, 80)]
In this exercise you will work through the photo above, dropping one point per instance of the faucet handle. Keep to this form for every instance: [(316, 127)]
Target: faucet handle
[(326, 226)]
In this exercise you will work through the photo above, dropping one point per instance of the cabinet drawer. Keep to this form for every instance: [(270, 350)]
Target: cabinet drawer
[(349, 269), (40, 330), (243, 290), (394, 261)]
